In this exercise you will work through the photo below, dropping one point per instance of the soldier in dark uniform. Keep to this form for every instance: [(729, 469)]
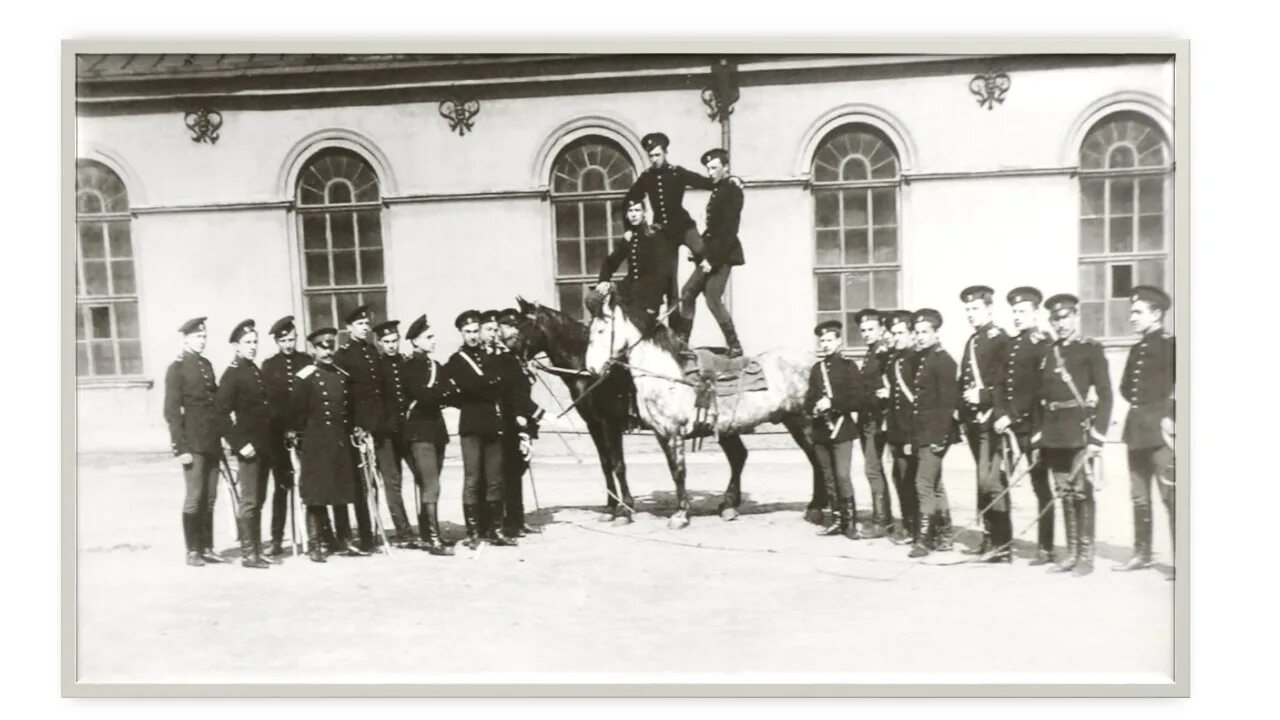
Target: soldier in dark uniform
[(480, 391), (933, 429), (835, 393), (650, 256), (278, 375), (521, 416), (980, 365), (321, 418), (424, 429), (871, 417), (1069, 431), (722, 250), (1148, 384), (246, 414), (194, 428), (358, 358), (397, 451), (1016, 397), (899, 400)]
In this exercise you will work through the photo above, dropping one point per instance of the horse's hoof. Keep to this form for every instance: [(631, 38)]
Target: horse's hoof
[(728, 514), (621, 520), (814, 515), (678, 522)]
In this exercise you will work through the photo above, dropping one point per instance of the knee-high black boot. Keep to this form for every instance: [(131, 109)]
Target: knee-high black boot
[(191, 535), (493, 531)]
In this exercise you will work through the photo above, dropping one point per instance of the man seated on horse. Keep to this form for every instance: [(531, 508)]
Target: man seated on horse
[(721, 250), (650, 257)]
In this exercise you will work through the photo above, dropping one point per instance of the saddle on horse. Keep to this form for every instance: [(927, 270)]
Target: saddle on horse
[(715, 374)]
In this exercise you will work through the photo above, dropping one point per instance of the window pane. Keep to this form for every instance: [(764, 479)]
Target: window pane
[(567, 220), (1091, 320), (319, 312), (1151, 196), (338, 192), (100, 322), (855, 208), (88, 203), (829, 247), (855, 247), (346, 303), (568, 258), (1151, 233), (592, 180), (127, 320), (595, 220), (95, 277), (130, 357), (855, 168), (342, 229), (104, 357), (828, 292), (885, 245), (91, 240), (1122, 234), (1121, 157), (1118, 318), (1121, 280), (344, 269), (370, 229), (617, 214), (80, 312), (884, 210), (371, 267), (122, 280), (313, 232), (317, 269), (1121, 197), (857, 290), (596, 250), (1091, 194), (377, 302), (571, 300), (852, 338), (1093, 282), (885, 285), (121, 245), (1151, 272), (1092, 237), (826, 210), (82, 359)]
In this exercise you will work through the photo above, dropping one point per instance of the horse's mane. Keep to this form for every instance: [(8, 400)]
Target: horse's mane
[(561, 327), (656, 332)]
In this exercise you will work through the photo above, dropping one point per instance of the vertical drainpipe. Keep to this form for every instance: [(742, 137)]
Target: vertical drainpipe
[(720, 97)]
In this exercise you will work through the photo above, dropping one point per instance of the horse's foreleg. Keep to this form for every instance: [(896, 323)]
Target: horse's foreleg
[(673, 448), (600, 437), (802, 432), (736, 452), (614, 432)]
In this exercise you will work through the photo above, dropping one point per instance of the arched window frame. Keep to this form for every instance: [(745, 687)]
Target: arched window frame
[(107, 323), (846, 207), (1124, 210)]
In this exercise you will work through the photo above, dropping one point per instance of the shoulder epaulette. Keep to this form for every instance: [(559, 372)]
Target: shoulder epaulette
[(1038, 337), (305, 372)]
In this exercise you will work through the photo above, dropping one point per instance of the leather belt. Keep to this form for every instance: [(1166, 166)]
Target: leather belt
[(1059, 404)]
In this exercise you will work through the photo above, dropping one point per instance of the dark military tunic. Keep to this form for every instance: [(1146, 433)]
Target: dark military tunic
[(665, 186), (900, 409), (1015, 390), (874, 366), (190, 406), (847, 397), (480, 392), (1148, 385), (936, 395), (1060, 421), (651, 258), (720, 242), (278, 373), (517, 395), (394, 390), (321, 404), (359, 359), (980, 368), (429, 390), (246, 412)]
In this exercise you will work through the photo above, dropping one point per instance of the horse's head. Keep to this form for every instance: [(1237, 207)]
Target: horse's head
[(611, 332)]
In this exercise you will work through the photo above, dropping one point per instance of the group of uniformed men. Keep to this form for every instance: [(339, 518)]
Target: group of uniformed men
[(1027, 403), (335, 409)]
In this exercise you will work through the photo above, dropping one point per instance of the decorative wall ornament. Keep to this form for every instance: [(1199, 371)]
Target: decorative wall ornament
[(989, 87), (723, 93), (204, 125), (460, 114)]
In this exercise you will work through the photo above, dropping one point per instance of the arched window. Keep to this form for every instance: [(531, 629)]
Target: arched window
[(1125, 231), (588, 181), (858, 261), (340, 220), (108, 341)]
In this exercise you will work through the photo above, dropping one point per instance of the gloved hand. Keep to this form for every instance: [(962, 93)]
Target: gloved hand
[(526, 447), (185, 459)]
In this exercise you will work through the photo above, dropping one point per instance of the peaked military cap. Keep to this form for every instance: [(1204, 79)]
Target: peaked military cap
[(828, 326), (466, 318), (1025, 293), (194, 325), (489, 316), (244, 328), (976, 292), (322, 336), (360, 313), (897, 316), (1152, 295), (716, 154), (653, 140), (1061, 301), (509, 316), (282, 326), (416, 328), (869, 314), (383, 329), (929, 315)]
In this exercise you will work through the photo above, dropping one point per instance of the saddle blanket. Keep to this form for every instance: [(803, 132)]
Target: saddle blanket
[(729, 375)]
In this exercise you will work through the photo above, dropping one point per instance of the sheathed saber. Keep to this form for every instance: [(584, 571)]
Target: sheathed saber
[(826, 382), (295, 502), (373, 483), (233, 491)]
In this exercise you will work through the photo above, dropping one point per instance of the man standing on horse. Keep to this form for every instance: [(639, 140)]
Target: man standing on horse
[(933, 430), (835, 394), (650, 257), (721, 251)]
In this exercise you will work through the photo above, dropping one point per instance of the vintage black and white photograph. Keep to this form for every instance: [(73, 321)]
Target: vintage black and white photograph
[(629, 367)]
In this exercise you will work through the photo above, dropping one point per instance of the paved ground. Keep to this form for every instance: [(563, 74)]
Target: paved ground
[(587, 597)]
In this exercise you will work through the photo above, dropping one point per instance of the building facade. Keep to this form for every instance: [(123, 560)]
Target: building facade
[(260, 186)]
